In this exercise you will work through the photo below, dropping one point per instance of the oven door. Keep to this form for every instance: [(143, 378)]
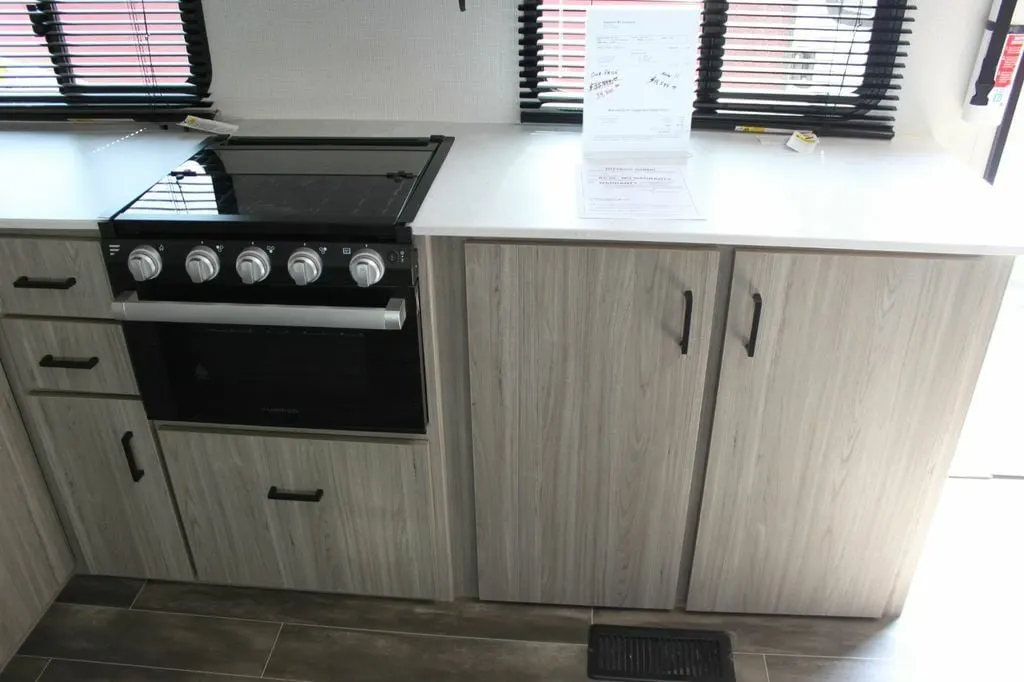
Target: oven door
[(347, 368)]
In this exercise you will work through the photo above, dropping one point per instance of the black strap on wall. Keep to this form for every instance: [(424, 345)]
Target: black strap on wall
[(987, 74), (1003, 131)]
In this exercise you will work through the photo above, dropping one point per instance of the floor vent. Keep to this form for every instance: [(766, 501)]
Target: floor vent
[(626, 653)]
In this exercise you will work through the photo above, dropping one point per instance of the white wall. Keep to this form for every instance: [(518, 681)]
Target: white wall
[(424, 60), (365, 59)]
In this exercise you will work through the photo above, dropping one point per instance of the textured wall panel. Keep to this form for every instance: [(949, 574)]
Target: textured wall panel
[(365, 59)]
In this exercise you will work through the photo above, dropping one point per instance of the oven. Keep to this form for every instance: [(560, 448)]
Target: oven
[(272, 282), (330, 355)]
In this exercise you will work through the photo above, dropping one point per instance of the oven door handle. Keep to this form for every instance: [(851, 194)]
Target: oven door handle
[(129, 308)]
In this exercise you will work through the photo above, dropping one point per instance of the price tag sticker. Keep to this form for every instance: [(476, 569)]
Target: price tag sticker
[(209, 126)]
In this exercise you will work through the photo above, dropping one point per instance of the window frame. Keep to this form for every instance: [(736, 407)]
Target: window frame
[(869, 118), (137, 102)]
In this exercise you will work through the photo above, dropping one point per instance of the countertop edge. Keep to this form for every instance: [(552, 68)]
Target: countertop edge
[(64, 228), (653, 237)]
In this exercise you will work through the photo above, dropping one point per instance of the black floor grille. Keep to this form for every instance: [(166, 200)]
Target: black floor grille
[(625, 653)]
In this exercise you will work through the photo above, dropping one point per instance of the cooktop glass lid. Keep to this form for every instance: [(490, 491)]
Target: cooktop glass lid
[(362, 184)]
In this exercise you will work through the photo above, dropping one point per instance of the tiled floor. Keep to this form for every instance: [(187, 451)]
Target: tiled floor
[(961, 624)]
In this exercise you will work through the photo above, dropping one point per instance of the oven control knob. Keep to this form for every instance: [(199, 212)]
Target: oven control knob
[(367, 267), (202, 264), (305, 266), (253, 265), (144, 263)]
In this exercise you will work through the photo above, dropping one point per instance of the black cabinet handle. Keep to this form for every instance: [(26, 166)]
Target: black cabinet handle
[(68, 363), (133, 467), (684, 343), (275, 494), (44, 283), (755, 325)]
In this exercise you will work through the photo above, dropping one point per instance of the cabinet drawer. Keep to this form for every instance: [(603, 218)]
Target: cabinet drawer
[(57, 277), (52, 355), (308, 514), (105, 471)]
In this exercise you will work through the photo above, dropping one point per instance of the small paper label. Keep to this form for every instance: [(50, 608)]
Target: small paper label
[(802, 141), (209, 126)]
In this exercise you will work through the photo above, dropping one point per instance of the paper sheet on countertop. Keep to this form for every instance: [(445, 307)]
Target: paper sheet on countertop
[(634, 190), (641, 64), (639, 79)]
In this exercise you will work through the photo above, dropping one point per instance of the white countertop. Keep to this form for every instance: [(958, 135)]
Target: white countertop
[(513, 181), (63, 178), (520, 182)]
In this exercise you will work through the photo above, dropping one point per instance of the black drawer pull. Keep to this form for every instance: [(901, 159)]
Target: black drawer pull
[(684, 343), (755, 325), (133, 467), (69, 363), (44, 283), (275, 494)]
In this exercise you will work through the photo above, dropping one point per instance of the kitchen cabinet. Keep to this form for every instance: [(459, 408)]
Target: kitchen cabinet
[(105, 468), (58, 277), (307, 513), (35, 560), (61, 355), (833, 432), (587, 370)]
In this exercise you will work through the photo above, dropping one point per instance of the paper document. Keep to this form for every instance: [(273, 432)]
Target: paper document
[(642, 191), (641, 66)]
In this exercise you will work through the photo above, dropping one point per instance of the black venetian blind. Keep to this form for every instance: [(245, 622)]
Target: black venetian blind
[(832, 66), (145, 59)]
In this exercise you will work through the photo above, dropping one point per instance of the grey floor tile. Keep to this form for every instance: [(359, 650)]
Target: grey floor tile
[(846, 637), (23, 669), (750, 668), (942, 666), (324, 654), (79, 671), (461, 618), (108, 635), (101, 590), (799, 669)]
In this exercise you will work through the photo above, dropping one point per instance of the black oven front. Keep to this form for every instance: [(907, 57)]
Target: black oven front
[(329, 355)]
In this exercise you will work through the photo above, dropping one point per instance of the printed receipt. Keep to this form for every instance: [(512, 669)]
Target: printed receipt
[(641, 66), (635, 191)]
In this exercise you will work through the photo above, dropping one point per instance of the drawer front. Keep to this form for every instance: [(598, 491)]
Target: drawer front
[(55, 277), (53, 355), (307, 514)]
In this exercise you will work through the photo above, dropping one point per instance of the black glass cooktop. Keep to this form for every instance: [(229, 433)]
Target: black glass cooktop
[(364, 182)]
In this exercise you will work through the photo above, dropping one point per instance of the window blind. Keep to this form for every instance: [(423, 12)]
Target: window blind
[(144, 59), (832, 66)]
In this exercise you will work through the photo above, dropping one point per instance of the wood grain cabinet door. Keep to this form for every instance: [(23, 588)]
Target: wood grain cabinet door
[(34, 557), (585, 414), (830, 444), (307, 513), (106, 470)]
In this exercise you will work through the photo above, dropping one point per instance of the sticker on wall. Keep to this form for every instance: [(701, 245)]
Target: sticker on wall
[(209, 126)]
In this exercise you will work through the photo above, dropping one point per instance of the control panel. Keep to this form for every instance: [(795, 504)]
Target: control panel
[(252, 263)]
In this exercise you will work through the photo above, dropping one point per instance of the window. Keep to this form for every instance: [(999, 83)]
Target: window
[(832, 66), (145, 59)]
